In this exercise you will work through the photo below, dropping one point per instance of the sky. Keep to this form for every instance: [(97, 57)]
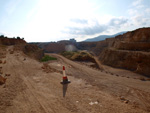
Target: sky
[(54, 20)]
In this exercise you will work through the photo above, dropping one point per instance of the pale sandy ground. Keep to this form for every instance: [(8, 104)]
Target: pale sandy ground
[(31, 89)]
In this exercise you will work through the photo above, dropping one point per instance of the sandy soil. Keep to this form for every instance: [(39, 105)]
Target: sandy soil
[(30, 88)]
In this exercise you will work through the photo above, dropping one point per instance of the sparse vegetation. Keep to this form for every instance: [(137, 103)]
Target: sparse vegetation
[(79, 56), (18, 37), (68, 54), (47, 58), (2, 36)]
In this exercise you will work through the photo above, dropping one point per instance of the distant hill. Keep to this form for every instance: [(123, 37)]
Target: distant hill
[(103, 37)]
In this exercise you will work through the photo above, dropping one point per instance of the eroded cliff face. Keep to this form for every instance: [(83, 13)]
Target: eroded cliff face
[(129, 51), (134, 40), (20, 44), (139, 35), (56, 47), (133, 46), (136, 61), (31, 50), (11, 41)]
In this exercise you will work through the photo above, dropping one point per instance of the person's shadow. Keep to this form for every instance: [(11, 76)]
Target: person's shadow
[(65, 86)]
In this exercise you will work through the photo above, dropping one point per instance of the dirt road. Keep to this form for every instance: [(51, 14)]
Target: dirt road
[(33, 89)]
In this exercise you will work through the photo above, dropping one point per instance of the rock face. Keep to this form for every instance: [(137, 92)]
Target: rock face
[(20, 44), (136, 46), (11, 41), (54, 47), (86, 45), (139, 35), (136, 61), (57, 47), (130, 51), (31, 50)]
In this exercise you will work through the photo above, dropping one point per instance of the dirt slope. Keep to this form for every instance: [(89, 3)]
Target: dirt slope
[(31, 89)]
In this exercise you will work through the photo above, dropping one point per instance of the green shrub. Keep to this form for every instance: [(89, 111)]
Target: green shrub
[(78, 56), (47, 58), (68, 54)]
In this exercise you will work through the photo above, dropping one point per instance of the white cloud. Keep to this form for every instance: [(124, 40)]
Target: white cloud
[(136, 6), (56, 20), (51, 17), (137, 2), (118, 21), (132, 11), (94, 27), (79, 21), (140, 6), (137, 20), (138, 15), (147, 10)]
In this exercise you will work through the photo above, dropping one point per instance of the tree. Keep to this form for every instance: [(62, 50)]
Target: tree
[(2, 36), (18, 37)]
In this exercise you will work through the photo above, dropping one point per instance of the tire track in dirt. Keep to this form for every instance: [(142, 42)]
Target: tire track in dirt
[(114, 85), (15, 67), (31, 88), (42, 92)]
